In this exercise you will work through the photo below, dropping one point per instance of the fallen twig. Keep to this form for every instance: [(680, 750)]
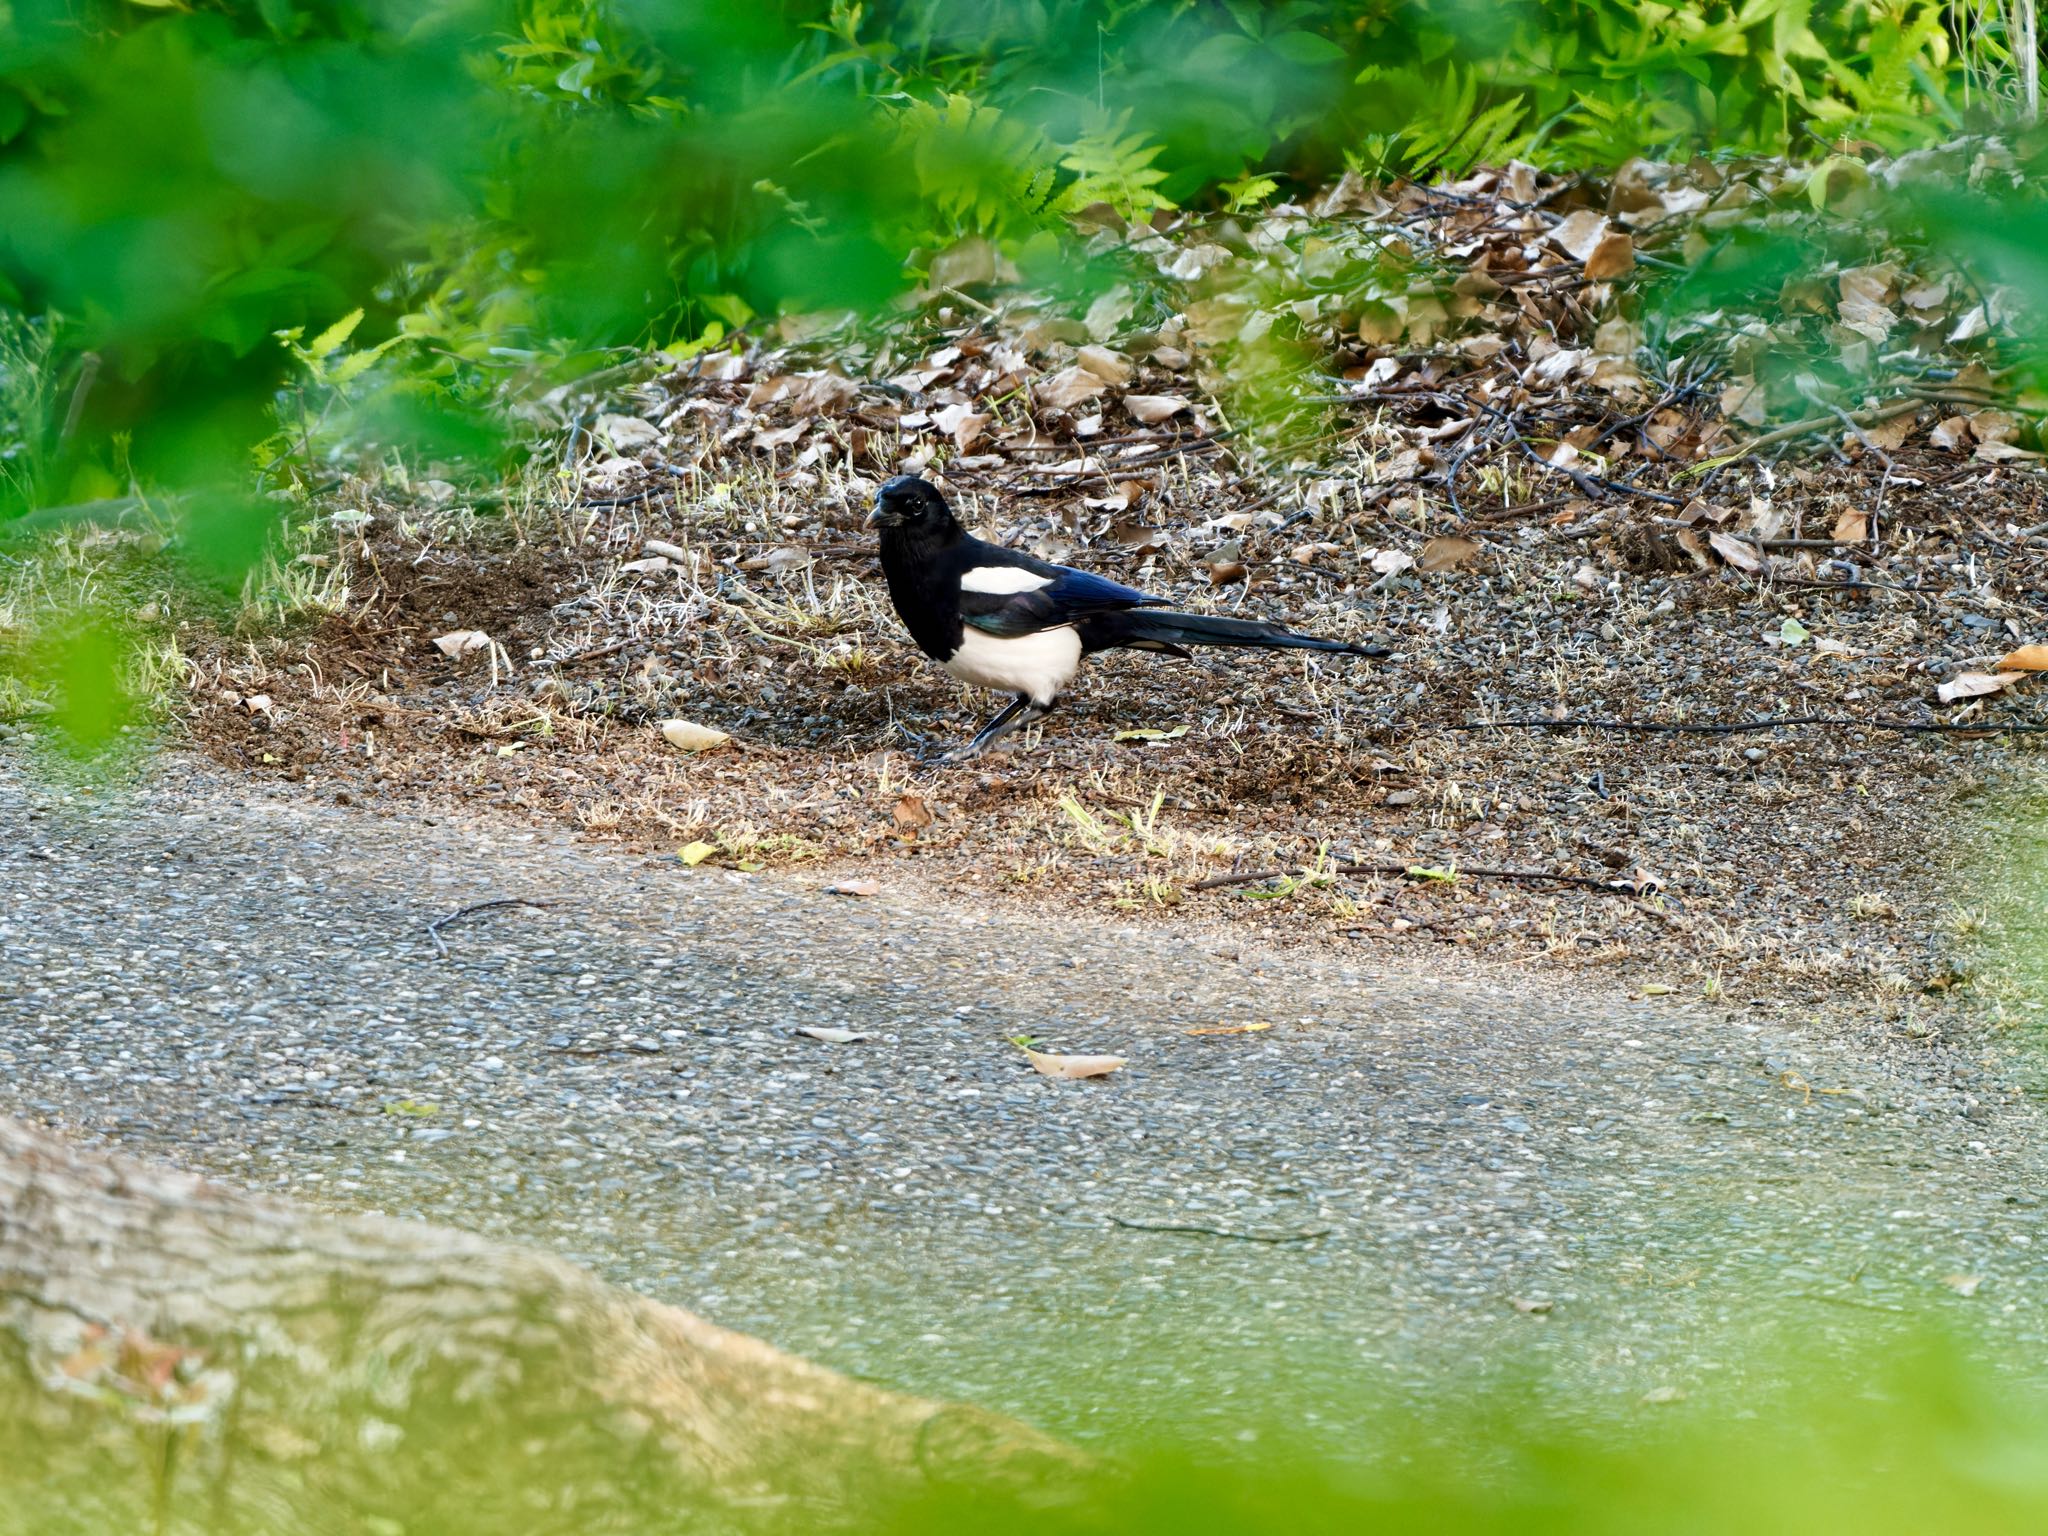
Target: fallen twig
[(1414, 872), (1197, 1229), (433, 929), (1740, 727), (1875, 417)]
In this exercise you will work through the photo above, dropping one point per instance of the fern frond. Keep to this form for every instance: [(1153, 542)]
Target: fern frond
[(1113, 165)]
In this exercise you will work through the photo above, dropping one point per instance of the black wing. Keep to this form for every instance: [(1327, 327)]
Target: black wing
[(1069, 596)]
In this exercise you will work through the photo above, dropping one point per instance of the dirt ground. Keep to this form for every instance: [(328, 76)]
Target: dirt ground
[(1811, 864), (1444, 418)]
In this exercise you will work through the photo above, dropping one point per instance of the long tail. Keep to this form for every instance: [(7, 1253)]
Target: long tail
[(1153, 629)]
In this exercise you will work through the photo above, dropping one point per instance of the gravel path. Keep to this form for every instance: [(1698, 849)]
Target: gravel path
[(1411, 1178)]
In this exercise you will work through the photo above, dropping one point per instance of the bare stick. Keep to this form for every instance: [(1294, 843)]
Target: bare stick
[(1741, 727), (1195, 1228), (1414, 872), (433, 929)]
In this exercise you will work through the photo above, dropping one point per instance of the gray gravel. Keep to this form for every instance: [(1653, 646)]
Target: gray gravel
[(1498, 1172)]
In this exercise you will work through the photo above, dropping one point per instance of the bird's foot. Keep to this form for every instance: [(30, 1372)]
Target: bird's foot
[(923, 748)]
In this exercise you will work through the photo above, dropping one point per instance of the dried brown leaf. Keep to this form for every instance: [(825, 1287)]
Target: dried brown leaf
[(1447, 552), (1951, 434), (1889, 435), (1579, 234), (862, 887), (1068, 388), (2028, 658), (1614, 256)]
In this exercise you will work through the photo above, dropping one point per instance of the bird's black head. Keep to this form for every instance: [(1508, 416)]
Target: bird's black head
[(913, 505)]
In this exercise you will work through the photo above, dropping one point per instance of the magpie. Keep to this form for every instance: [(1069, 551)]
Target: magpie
[(998, 618)]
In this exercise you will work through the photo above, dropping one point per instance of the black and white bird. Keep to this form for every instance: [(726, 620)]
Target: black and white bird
[(1001, 619)]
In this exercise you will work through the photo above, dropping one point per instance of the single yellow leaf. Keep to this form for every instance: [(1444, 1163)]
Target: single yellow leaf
[(1657, 989), (1151, 733), (1230, 1029), (694, 854)]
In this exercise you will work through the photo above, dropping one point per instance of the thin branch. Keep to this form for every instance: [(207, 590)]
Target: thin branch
[(1196, 1228), (1740, 727), (1414, 872), (433, 929)]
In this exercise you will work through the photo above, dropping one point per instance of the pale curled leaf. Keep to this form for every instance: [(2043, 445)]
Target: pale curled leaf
[(688, 736), (1110, 367), (1744, 557), (1068, 388), (1579, 234), (862, 887), (460, 642), (1392, 562), (1150, 410), (626, 433), (1074, 1066), (1975, 685), (832, 1034)]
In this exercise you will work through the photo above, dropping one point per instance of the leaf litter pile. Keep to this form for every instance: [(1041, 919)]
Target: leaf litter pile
[(1509, 427)]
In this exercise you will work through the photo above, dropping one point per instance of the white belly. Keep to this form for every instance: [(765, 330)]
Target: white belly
[(1039, 666)]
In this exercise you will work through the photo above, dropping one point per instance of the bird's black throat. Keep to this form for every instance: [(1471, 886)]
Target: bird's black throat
[(917, 573)]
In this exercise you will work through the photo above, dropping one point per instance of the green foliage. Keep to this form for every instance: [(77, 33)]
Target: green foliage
[(1113, 165), (978, 170), (518, 187)]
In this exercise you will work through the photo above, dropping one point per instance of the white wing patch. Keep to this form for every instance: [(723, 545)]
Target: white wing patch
[(1039, 665), (998, 580)]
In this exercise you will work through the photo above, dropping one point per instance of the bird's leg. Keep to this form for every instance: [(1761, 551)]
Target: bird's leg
[(1015, 715), (924, 749)]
